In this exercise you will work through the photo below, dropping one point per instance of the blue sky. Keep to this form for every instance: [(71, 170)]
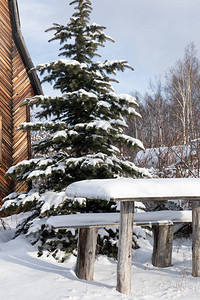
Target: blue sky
[(150, 34)]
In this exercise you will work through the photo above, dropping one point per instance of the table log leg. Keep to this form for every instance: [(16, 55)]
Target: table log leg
[(125, 247), (196, 238), (162, 248), (86, 253)]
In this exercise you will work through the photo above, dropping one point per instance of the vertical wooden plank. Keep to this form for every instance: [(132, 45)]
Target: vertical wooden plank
[(162, 248), (196, 238), (125, 247), (86, 253), (5, 96), (0, 137)]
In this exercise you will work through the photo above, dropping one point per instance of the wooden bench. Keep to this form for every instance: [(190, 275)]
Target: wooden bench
[(162, 223), (128, 190)]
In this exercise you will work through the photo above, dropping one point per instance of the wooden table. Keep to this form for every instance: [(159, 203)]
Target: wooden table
[(129, 190)]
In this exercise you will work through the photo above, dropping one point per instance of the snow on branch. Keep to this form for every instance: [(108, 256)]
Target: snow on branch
[(114, 64), (63, 135), (105, 125), (37, 99), (126, 97), (59, 63), (46, 125), (131, 141), (104, 104), (81, 93)]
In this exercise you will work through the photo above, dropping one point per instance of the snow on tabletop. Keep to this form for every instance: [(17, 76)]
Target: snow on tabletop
[(128, 188), (76, 220)]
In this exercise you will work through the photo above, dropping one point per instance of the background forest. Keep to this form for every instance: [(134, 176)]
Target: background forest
[(171, 118)]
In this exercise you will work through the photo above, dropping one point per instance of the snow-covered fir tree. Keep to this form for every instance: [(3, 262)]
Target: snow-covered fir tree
[(84, 129)]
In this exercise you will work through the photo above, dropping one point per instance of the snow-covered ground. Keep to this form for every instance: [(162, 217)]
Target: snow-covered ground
[(25, 276)]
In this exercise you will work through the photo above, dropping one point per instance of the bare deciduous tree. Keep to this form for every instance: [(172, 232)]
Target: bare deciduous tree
[(182, 91)]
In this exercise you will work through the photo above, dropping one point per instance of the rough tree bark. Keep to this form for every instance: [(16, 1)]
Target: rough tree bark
[(196, 238), (162, 249), (86, 253), (125, 247)]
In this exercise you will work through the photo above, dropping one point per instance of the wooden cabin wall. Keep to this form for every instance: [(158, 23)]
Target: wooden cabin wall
[(22, 89), (15, 86), (5, 95)]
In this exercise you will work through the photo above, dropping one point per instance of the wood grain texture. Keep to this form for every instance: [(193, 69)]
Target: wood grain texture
[(125, 247), (196, 238), (162, 248), (86, 253), (15, 86)]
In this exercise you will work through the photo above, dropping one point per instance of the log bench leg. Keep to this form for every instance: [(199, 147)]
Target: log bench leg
[(162, 248), (86, 253), (196, 238), (125, 247)]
